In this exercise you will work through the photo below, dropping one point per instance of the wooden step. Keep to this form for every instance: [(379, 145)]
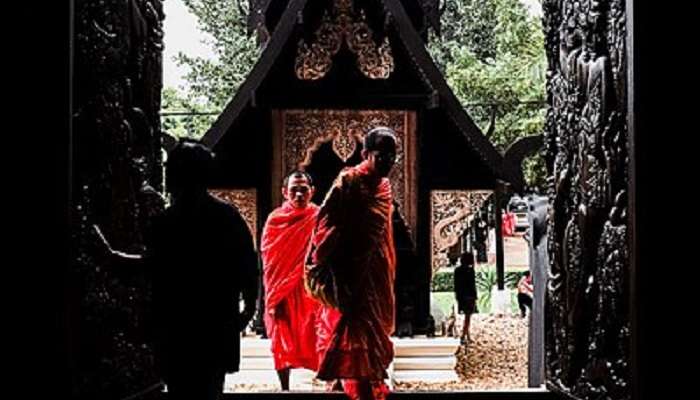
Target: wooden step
[(425, 363), (412, 347), (425, 376), (416, 360), (255, 347), (428, 347), (257, 363)]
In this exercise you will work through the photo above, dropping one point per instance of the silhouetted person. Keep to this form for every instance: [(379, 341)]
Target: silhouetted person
[(406, 274), (525, 293), (200, 259), (465, 291), (480, 234)]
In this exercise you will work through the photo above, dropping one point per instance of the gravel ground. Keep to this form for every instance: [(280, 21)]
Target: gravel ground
[(496, 358)]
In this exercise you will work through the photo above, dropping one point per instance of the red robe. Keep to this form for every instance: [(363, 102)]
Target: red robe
[(508, 225), (285, 242), (354, 236)]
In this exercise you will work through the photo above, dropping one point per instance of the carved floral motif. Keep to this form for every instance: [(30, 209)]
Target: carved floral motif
[(344, 27)]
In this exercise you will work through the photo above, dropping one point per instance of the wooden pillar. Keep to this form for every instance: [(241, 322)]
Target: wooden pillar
[(423, 234), (269, 196), (539, 264), (500, 266)]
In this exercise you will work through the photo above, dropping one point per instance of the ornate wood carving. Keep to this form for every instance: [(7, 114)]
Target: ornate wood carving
[(430, 13), (246, 202), (450, 210), (374, 61), (587, 352), (306, 130), (118, 176)]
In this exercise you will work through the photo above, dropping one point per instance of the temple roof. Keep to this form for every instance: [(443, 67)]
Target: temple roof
[(411, 43)]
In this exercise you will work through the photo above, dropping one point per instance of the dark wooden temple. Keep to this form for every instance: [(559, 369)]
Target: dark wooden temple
[(320, 83), (329, 72)]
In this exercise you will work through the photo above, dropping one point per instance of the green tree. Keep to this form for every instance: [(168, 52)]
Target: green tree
[(492, 55), (188, 125), (467, 24), (215, 81)]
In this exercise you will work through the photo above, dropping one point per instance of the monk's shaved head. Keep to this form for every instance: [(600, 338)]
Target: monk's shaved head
[(298, 189), (298, 174), (380, 150)]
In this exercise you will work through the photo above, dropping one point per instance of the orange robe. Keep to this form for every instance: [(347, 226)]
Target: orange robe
[(290, 313), (354, 236)]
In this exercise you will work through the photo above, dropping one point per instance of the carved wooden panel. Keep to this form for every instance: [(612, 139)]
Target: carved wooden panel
[(118, 177), (449, 214), (588, 324), (305, 130), (345, 25), (246, 202)]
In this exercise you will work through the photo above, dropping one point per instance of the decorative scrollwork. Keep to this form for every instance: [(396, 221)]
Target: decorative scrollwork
[(306, 130), (587, 351), (450, 210), (314, 61)]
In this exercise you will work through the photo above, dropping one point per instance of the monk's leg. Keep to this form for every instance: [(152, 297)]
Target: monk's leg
[(364, 389), (465, 330), (283, 374), (380, 390), (334, 386), (353, 388)]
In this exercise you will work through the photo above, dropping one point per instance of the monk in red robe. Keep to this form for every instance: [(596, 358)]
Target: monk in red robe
[(350, 269), (290, 312)]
